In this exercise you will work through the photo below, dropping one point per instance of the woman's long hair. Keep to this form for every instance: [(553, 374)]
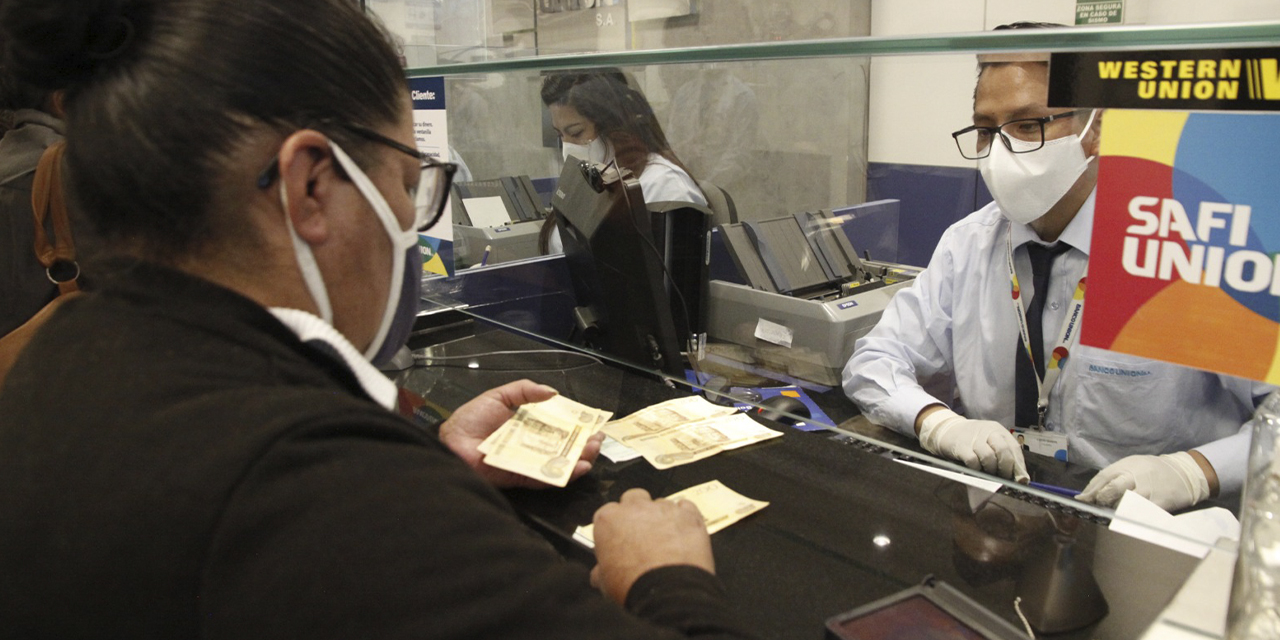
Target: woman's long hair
[(621, 115)]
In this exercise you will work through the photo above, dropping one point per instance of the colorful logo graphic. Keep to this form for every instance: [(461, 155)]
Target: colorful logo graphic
[(1059, 353), (1184, 264), (433, 255)]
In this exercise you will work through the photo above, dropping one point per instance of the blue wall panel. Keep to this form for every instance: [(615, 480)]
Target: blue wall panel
[(932, 199)]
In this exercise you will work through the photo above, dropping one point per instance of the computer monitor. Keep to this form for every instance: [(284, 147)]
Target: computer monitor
[(623, 308)]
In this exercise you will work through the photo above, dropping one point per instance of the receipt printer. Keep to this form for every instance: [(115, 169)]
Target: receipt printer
[(802, 296), (501, 215)]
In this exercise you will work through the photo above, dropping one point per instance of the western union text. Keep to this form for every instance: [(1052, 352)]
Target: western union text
[(1197, 79)]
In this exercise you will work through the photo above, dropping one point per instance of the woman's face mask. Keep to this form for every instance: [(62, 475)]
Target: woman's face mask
[(404, 283), (596, 151)]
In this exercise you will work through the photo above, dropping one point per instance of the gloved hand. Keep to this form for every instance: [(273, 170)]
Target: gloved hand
[(978, 444), (1172, 481)]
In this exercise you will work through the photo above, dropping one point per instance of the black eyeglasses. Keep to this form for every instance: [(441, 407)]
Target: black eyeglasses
[(975, 142), (429, 197)]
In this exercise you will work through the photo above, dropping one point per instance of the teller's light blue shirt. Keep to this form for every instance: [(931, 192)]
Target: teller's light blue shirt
[(950, 339)]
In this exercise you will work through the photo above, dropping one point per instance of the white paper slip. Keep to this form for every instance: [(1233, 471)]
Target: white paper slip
[(774, 332), (489, 211), (719, 505), (616, 451), (1192, 533)]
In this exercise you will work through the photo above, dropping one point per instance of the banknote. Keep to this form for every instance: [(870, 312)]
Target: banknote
[(720, 507), (544, 440), (667, 442), (672, 413)]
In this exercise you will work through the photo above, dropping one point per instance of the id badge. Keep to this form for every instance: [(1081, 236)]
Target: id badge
[(1045, 443)]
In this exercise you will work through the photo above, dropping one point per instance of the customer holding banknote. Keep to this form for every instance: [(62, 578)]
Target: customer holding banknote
[(201, 447)]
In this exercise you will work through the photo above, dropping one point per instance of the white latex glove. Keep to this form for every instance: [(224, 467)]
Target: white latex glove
[(1172, 481), (978, 444)]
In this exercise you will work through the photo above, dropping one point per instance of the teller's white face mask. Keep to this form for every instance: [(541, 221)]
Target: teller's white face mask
[(401, 241), (1026, 185), (595, 151)]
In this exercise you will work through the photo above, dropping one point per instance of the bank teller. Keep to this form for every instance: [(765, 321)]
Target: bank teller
[(949, 364)]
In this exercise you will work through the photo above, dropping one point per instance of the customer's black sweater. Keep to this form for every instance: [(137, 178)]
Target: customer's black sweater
[(175, 463)]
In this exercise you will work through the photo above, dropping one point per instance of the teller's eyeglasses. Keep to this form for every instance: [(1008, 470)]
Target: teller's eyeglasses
[(1019, 136)]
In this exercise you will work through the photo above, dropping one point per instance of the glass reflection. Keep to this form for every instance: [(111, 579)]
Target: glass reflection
[(780, 138)]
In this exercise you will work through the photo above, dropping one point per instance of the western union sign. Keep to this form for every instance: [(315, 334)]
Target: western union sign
[(1209, 79)]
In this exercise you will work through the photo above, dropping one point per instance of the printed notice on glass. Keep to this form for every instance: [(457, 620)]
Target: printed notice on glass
[(431, 134)]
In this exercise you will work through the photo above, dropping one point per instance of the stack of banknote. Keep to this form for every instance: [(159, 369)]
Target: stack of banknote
[(544, 440), (683, 430)]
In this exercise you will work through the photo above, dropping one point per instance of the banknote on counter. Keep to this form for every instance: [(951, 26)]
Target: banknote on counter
[(681, 431), (544, 440), (720, 507)]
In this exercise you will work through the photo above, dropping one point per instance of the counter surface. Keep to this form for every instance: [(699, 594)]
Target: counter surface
[(846, 524)]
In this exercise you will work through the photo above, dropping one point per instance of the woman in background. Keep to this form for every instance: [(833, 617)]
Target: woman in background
[(600, 118)]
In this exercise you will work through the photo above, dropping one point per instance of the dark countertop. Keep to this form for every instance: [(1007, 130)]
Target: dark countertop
[(846, 524)]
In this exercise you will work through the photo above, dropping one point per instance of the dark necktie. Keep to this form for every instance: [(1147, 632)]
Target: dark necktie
[(1027, 392)]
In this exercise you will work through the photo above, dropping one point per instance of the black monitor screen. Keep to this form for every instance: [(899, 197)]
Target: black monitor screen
[(623, 308)]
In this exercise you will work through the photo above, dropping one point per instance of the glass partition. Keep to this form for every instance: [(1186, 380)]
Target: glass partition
[(795, 134)]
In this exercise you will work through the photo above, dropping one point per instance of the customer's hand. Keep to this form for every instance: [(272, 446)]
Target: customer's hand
[(474, 421), (1172, 481), (978, 444), (638, 534)]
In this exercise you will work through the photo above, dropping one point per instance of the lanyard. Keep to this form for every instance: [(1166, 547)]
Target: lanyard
[(1066, 335)]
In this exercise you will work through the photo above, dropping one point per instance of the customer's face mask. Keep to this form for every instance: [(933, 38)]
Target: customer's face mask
[(595, 151), (407, 307), (1027, 185), (404, 283)]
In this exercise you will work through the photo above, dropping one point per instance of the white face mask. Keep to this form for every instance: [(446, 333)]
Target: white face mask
[(1027, 185), (596, 151), (401, 241)]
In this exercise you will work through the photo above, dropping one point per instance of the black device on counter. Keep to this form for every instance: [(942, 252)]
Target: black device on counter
[(680, 233), (781, 408), (623, 305), (931, 609)]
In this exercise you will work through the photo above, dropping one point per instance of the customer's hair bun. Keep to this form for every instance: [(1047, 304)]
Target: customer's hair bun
[(55, 44)]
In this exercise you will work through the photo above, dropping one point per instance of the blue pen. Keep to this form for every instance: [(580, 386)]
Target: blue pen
[(484, 259), (1062, 491)]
